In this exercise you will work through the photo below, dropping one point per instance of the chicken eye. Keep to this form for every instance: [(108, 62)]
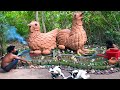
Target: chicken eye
[(81, 14), (75, 15), (35, 24)]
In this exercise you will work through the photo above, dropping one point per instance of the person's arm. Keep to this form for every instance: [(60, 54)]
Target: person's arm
[(115, 46), (19, 58)]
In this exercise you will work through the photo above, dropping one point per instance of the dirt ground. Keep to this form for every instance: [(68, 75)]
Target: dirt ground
[(44, 74)]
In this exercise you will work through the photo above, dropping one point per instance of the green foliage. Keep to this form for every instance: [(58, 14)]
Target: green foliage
[(99, 25), (102, 25), (98, 64), (19, 19), (2, 37), (56, 19)]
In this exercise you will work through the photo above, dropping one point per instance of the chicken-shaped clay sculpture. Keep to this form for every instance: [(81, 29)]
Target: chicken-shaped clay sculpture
[(73, 39), (41, 43)]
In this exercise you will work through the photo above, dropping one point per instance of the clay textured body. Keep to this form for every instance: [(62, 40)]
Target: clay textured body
[(75, 38), (41, 43)]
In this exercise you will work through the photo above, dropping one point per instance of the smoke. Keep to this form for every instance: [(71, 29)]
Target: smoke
[(25, 54), (11, 34)]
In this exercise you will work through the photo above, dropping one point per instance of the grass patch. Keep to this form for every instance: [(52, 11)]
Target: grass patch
[(97, 65)]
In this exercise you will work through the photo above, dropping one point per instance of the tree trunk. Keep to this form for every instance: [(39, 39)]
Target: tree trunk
[(2, 40), (43, 22), (36, 15)]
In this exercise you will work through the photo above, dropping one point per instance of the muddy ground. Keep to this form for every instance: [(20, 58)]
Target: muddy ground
[(44, 74)]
